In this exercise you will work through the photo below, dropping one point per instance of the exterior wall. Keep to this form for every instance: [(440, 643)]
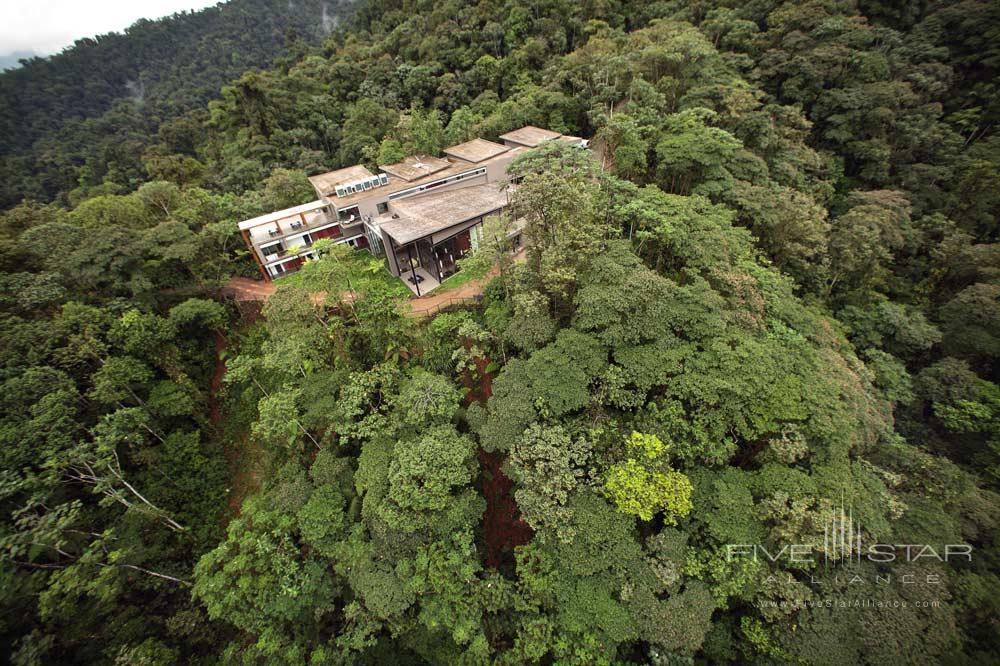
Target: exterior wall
[(496, 170), (297, 239), (286, 236), (260, 234), (369, 207), (390, 253), (359, 241), (290, 266), (283, 227), (465, 182)]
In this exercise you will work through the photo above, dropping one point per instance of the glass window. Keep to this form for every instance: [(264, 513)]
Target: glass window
[(383, 208)]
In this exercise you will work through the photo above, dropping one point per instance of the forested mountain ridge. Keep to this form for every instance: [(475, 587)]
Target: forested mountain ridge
[(110, 92), (770, 311)]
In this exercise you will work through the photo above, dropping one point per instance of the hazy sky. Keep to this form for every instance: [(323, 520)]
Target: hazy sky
[(46, 26)]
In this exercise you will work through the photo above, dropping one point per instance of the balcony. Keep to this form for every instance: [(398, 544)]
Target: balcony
[(285, 253), (305, 248), (349, 220), (294, 228)]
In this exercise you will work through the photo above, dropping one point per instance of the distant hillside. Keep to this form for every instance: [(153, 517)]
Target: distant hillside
[(12, 60), (54, 112)]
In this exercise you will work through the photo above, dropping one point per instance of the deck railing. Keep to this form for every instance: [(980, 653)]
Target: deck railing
[(301, 228), (441, 305)]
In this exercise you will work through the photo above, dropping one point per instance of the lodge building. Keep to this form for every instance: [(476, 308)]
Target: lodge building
[(422, 214)]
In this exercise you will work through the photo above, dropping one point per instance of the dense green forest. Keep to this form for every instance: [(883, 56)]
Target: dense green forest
[(769, 296)]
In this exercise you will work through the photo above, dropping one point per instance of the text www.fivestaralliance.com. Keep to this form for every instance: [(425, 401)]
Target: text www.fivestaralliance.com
[(847, 603)]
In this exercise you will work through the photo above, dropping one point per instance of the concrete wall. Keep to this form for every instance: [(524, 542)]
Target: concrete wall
[(390, 253), (496, 170), (465, 182)]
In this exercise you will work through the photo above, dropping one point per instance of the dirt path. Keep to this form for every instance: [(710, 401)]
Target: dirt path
[(247, 289), (502, 526), (244, 289), (428, 305), (244, 470)]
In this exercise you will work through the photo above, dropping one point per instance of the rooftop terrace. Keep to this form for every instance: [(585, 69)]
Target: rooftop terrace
[(418, 170), (476, 150), (416, 166), (452, 168), (326, 183), (425, 215), (530, 136), (291, 214)]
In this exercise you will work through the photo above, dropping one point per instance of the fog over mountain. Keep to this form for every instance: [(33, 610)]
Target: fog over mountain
[(12, 60), (48, 26)]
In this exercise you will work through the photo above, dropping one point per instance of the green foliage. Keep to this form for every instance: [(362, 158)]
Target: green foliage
[(322, 520), (548, 464), (424, 473), (643, 485), (144, 113), (780, 275), (510, 410), (426, 400), (257, 577), (641, 492), (277, 424), (691, 150)]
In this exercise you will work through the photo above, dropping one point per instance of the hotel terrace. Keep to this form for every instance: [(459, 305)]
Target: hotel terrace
[(422, 214)]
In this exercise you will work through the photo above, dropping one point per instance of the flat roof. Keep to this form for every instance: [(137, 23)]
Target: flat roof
[(530, 136), (424, 215), (476, 150), (399, 184), (326, 183), (281, 214), (416, 166)]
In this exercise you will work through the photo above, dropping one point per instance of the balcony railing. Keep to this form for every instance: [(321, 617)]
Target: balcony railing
[(295, 228), (285, 253), (350, 221)]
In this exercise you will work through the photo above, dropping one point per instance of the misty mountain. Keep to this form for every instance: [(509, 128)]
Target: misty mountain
[(13, 59), (148, 74)]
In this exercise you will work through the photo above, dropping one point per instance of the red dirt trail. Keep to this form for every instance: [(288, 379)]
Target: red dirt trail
[(243, 479), (502, 526)]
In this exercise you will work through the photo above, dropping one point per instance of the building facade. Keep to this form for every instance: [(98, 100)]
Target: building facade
[(422, 214)]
